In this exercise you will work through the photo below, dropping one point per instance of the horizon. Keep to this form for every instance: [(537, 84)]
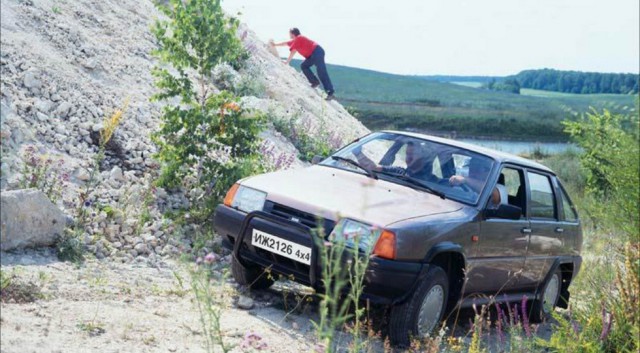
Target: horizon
[(499, 39)]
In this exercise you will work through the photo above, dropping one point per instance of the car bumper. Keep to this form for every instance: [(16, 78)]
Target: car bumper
[(385, 281)]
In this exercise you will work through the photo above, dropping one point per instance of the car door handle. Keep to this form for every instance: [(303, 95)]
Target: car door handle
[(559, 230), (525, 230)]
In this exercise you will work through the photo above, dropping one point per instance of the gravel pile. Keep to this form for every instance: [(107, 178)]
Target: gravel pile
[(65, 66)]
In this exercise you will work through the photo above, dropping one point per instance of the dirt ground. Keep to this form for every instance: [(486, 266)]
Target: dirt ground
[(108, 306), (112, 307)]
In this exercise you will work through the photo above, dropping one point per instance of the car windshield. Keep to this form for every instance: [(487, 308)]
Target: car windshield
[(442, 169)]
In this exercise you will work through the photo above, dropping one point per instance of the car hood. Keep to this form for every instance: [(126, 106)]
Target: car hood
[(334, 193)]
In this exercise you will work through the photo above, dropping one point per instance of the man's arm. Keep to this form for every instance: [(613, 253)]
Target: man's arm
[(365, 161), (291, 54), (281, 44)]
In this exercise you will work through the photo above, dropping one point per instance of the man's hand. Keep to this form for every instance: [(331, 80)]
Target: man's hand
[(285, 61), (456, 180)]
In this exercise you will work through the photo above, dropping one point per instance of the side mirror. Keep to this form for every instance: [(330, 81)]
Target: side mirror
[(317, 159), (504, 212)]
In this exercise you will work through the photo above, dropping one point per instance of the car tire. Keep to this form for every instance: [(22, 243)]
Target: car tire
[(255, 277), (542, 308), (421, 313)]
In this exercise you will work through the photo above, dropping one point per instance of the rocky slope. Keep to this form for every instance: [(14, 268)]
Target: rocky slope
[(66, 65)]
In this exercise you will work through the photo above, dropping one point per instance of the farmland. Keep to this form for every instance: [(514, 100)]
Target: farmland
[(382, 100)]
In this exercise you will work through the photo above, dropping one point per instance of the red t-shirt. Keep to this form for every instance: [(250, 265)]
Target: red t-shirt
[(303, 45)]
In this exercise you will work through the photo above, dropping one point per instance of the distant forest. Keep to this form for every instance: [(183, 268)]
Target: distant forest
[(577, 81)]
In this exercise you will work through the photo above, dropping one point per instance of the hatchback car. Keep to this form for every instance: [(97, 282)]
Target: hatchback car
[(447, 225)]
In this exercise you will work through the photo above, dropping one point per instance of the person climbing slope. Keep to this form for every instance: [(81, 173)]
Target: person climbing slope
[(314, 55)]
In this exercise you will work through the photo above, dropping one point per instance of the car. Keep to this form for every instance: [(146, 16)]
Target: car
[(449, 224)]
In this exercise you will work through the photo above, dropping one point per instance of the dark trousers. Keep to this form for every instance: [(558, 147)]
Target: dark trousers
[(317, 59)]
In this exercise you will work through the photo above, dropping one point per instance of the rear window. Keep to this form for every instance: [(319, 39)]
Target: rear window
[(568, 209)]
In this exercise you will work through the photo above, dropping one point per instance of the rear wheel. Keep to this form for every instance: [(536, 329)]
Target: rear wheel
[(254, 276), (542, 308), (421, 314)]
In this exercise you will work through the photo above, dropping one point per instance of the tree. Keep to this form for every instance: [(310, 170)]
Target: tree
[(206, 140)]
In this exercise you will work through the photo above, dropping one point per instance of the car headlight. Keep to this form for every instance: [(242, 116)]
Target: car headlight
[(245, 198), (353, 232)]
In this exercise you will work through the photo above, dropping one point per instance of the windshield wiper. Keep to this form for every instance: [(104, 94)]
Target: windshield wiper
[(415, 182), (355, 164)]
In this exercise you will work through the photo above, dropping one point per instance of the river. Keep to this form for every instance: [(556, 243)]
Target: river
[(522, 147)]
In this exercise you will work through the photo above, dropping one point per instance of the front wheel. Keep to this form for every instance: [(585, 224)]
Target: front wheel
[(421, 314), (255, 277)]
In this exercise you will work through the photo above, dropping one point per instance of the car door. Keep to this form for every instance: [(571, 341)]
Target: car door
[(545, 234), (502, 244)]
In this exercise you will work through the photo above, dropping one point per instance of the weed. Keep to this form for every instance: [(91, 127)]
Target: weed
[(150, 340), (14, 289), (93, 328), (210, 302), (46, 173)]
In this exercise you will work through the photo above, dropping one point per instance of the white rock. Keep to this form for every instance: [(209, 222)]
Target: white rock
[(42, 117), (82, 174), (63, 109), (29, 219), (43, 105), (141, 248), (245, 302), (31, 79), (116, 174), (90, 64)]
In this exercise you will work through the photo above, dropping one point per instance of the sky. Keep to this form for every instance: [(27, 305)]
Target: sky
[(458, 37)]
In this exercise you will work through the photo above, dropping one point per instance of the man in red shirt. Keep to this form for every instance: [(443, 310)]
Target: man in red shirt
[(314, 55)]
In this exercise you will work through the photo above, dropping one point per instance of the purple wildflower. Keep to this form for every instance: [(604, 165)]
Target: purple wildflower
[(525, 317), (87, 203), (210, 258), (607, 320), (576, 328), (499, 323), (320, 348), (253, 340)]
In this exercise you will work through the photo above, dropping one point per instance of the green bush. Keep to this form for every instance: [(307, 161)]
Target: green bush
[(610, 147), (206, 141), (605, 315)]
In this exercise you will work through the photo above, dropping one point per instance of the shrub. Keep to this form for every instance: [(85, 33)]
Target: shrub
[(206, 141), (611, 162), (299, 132), (607, 316)]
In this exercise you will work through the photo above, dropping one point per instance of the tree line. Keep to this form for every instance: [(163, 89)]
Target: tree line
[(577, 81)]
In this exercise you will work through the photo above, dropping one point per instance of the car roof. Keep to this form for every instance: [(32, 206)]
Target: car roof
[(499, 156)]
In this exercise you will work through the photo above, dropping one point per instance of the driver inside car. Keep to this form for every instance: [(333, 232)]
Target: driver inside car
[(416, 158), (478, 173)]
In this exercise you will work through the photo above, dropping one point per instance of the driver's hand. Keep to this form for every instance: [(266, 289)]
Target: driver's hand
[(456, 180)]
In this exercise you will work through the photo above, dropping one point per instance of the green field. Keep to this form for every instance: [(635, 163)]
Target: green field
[(384, 100)]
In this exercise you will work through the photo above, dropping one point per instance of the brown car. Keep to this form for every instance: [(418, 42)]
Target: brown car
[(450, 224)]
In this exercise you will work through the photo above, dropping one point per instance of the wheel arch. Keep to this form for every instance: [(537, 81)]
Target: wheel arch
[(450, 257)]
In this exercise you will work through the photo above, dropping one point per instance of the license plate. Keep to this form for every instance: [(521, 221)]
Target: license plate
[(281, 247)]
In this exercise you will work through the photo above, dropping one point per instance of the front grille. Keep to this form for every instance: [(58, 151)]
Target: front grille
[(297, 216)]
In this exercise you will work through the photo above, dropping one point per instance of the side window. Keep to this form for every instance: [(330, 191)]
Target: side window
[(542, 199), (569, 211), (513, 182)]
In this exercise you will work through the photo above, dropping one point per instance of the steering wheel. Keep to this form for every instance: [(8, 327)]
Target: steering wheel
[(464, 187)]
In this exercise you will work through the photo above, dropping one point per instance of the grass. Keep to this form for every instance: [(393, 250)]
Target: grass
[(384, 100)]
